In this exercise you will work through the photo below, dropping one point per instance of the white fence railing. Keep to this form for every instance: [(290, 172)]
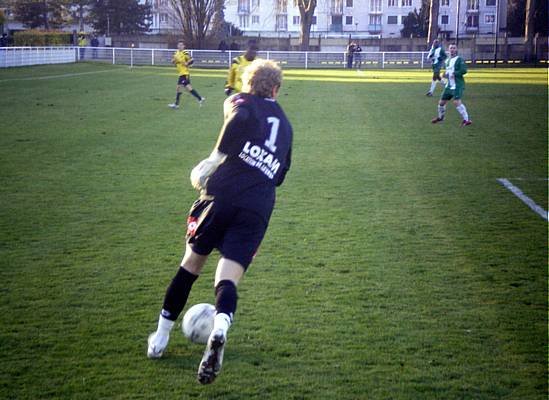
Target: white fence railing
[(20, 56)]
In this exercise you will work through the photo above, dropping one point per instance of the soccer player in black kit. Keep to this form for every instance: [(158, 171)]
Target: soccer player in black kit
[(237, 184)]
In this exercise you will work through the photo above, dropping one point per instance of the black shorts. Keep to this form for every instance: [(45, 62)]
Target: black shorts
[(234, 231), (184, 80)]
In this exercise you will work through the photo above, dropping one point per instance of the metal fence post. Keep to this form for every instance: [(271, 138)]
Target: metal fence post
[(383, 60), (306, 60), (113, 56), (152, 57), (422, 57)]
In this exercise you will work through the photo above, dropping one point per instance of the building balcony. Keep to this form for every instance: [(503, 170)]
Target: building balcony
[(374, 28), (337, 10), (472, 11), (375, 12), (243, 10), (471, 29), (336, 27)]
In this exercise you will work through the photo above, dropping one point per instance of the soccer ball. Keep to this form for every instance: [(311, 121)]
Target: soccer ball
[(198, 322)]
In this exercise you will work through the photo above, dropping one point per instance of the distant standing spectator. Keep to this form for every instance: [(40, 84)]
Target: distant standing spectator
[(358, 56), (234, 46), (222, 46), (4, 40), (82, 43), (350, 54), (94, 43)]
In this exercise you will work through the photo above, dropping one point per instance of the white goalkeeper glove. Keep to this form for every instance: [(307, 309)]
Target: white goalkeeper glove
[(205, 168)]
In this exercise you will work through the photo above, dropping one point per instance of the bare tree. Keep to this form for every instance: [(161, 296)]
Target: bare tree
[(195, 18), (529, 28), (306, 11), (433, 20)]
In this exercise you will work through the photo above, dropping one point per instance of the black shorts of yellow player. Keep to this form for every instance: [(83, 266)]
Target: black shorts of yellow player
[(184, 80)]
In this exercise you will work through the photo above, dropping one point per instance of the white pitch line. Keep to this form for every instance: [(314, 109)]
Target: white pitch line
[(525, 199), (36, 78)]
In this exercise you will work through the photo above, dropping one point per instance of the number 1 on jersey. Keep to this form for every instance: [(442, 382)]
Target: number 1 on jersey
[(270, 142)]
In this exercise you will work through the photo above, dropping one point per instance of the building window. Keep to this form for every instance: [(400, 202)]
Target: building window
[(472, 4), (313, 22), (402, 18), (348, 20), (282, 6), (255, 3), (490, 3), (444, 20), (296, 20), (489, 18), (243, 6), (406, 3), (337, 20), (445, 3), (375, 20), (255, 19), (472, 21), (392, 3), (392, 20), (375, 5), (348, 3), (163, 18), (244, 21), (281, 22)]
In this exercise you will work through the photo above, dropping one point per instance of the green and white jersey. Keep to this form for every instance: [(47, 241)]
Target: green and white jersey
[(437, 55), (455, 66)]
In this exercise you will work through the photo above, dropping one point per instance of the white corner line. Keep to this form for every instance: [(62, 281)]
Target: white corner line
[(525, 199)]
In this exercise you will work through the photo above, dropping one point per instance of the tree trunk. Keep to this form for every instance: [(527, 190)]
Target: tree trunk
[(529, 27), (306, 11), (433, 21), (46, 22)]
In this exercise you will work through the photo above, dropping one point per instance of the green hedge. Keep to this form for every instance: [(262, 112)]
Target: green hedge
[(41, 38)]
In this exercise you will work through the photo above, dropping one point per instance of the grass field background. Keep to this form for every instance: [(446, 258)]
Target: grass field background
[(395, 265)]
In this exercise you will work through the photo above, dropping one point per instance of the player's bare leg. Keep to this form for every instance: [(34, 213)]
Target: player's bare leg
[(227, 276), (174, 301), (441, 112)]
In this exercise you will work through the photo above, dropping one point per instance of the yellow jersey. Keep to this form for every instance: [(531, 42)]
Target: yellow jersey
[(234, 80), (182, 60)]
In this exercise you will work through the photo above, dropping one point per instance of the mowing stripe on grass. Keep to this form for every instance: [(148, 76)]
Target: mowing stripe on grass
[(525, 199), (35, 78)]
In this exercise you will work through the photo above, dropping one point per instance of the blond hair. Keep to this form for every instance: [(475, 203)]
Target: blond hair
[(260, 77)]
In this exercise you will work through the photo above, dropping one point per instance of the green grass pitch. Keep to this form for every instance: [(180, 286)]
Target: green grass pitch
[(396, 266)]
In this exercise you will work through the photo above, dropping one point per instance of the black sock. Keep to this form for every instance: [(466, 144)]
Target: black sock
[(177, 96), (177, 294), (195, 94), (226, 298)]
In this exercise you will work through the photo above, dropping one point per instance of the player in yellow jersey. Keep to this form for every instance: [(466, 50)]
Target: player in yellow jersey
[(183, 60), (238, 65)]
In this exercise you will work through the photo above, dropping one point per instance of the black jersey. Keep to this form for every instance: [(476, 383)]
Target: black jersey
[(257, 139)]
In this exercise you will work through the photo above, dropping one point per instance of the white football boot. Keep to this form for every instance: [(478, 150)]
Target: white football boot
[(174, 106), (157, 344), (213, 358), (201, 101)]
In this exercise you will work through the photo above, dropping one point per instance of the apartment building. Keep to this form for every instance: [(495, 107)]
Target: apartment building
[(364, 18)]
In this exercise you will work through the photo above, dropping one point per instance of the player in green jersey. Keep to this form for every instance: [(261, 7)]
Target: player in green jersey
[(437, 55), (455, 85)]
